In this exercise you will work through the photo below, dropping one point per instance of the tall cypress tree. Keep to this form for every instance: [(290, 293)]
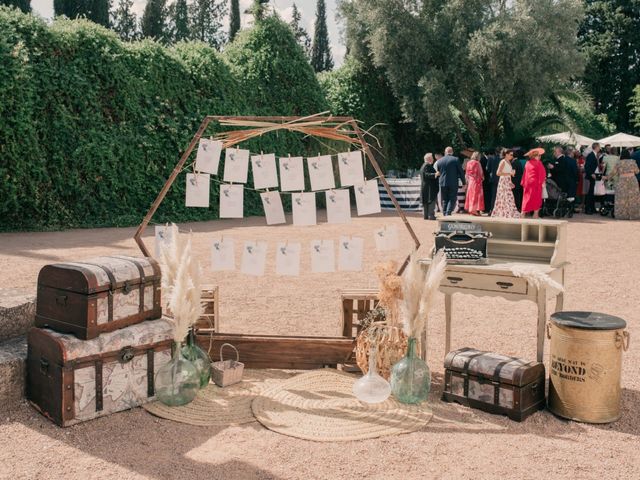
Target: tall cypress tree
[(206, 21), (321, 51), (180, 20), (302, 37), (154, 20), (94, 10), (234, 19), (124, 21), (24, 5)]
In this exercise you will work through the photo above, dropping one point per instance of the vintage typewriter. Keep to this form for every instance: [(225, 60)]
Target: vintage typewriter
[(462, 242)]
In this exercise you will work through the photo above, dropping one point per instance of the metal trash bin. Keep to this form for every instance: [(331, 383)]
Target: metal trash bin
[(586, 360)]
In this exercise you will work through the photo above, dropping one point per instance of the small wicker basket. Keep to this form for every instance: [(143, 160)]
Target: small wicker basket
[(227, 372)]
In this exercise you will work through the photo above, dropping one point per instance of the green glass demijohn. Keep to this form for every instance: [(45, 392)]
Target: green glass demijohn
[(192, 352), (410, 377), (177, 381)]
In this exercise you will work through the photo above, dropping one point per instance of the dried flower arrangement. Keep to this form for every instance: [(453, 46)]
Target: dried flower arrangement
[(418, 292), (381, 327), (181, 284)]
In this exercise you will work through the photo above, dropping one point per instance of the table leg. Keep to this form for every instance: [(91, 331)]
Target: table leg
[(447, 316), (542, 320), (559, 301)]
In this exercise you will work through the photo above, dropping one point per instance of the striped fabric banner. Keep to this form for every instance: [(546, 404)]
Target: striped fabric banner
[(406, 191)]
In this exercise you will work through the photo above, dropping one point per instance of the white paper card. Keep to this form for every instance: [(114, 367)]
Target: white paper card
[(350, 254), (288, 259), (164, 236), (350, 168), (338, 206), (236, 165), (322, 256), (386, 238), (273, 210), (291, 174), (264, 170), (231, 201), (304, 208), (208, 156), (223, 255), (321, 173), (254, 258), (197, 190), (368, 198)]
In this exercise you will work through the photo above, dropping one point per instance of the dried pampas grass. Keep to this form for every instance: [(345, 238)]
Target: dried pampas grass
[(390, 292), (182, 286), (419, 291)]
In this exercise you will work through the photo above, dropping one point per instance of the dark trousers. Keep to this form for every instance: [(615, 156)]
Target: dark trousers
[(494, 193), (429, 209), (590, 201), (449, 198)]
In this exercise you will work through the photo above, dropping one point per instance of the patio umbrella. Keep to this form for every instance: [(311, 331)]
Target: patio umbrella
[(567, 138), (621, 140)]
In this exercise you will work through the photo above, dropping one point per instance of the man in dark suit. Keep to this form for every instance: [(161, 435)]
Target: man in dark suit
[(558, 168), (492, 171), (571, 166), (429, 187), (449, 172), (518, 166), (590, 166)]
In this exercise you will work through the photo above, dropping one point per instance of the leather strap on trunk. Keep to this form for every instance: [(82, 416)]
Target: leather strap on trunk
[(465, 371), (143, 279), (99, 400), (151, 390), (496, 381)]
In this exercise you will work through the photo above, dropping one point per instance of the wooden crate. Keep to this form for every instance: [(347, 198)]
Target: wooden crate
[(210, 319), (355, 306)]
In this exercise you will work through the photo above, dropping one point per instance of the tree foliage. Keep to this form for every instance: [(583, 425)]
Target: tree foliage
[(610, 38), (321, 59), (234, 19), (154, 20), (206, 21), (124, 21), (179, 15), (300, 34), (92, 127), (472, 68), (634, 104), (95, 10), (24, 5)]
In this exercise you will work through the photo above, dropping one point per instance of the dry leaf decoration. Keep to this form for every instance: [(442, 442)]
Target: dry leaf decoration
[(181, 284), (381, 328), (419, 290)]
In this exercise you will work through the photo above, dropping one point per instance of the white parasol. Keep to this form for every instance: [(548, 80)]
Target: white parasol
[(621, 140), (567, 138)]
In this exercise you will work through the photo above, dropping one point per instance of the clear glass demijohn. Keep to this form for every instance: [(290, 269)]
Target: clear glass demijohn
[(372, 388)]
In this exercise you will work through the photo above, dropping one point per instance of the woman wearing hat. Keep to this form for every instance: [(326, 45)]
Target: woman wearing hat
[(532, 181)]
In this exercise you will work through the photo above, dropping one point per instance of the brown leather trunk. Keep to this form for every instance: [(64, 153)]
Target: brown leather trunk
[(71, 380), (494, 383), (98, 295)]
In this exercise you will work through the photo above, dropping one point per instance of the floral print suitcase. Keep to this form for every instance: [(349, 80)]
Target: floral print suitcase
[(71, 380), (98, 295)]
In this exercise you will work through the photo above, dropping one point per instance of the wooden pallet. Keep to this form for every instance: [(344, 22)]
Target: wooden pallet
[(210, 319), (356, 304)]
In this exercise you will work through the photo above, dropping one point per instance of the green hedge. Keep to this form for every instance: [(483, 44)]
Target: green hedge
[(91, 127)]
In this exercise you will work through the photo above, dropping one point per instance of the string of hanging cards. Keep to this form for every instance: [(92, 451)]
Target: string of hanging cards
[(291, 181)]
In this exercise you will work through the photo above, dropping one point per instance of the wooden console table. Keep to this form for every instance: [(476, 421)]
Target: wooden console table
[(538, 244)]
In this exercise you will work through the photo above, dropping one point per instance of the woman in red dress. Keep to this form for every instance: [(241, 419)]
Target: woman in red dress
[(474, 201), (532, 181)]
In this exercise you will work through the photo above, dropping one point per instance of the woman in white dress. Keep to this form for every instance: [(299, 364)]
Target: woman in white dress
[(505, 205)]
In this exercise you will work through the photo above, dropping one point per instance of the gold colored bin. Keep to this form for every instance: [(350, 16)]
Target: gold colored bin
[(585, 365)]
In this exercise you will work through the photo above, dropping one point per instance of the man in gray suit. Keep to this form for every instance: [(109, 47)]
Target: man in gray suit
[(449, 171)]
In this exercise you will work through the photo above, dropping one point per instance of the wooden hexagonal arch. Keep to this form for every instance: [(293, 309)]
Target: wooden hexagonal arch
[(321, 350)]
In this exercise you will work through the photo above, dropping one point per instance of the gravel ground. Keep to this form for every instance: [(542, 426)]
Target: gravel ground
[(459, 443)]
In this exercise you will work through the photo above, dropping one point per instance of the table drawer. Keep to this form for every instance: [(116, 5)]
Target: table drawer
[(492, 283)]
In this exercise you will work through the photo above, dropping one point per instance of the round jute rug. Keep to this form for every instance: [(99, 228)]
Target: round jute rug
[(222, 406), (320, 406)]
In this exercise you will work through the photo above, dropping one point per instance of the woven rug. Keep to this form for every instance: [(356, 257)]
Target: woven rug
[(320, 406), (222, 406)]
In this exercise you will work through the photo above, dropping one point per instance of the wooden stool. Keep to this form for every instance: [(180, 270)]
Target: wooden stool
[(209, 321)]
